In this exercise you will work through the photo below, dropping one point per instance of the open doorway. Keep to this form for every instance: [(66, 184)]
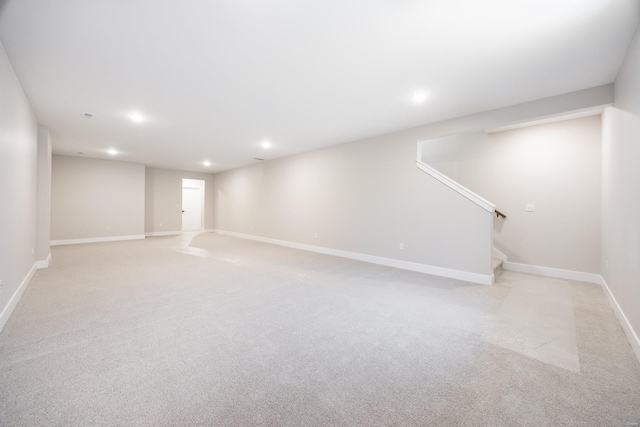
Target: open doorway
[(192, 204)]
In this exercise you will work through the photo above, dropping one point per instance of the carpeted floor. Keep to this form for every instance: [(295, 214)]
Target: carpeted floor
[(220, 331)]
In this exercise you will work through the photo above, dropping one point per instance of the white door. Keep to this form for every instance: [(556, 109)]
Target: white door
[(191, 208)]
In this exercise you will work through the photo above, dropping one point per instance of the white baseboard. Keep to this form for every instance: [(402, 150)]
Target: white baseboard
[(43, 263), (498, 255), (552, 272), (96, 240), (631, 334), (8, 309), (173, 233), (481, 279), (162, 233)]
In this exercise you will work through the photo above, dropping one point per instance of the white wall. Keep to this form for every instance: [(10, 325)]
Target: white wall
[(89, 195), (579, 101), (43, 247), (621, 192), (554, 166), (163, 199), (365, 197), (18, 175), (368, 196)]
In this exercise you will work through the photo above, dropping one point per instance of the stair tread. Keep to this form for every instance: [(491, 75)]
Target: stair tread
[(497, 263)]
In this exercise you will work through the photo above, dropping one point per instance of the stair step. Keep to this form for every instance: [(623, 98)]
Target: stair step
[(497, 264)]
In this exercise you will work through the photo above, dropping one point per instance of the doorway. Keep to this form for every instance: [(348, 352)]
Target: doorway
[(192, 204)]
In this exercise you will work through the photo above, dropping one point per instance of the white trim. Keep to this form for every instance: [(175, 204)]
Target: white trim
[(43, 263), (576, 114), (481, 279), (162, 233), (96, 240), (498, 255), (631, 334), (200, 185), (11, 305), (553, 272), (454, 185), (174, 233)]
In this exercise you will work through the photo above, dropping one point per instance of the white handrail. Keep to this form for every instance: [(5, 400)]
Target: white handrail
[(454, 185)]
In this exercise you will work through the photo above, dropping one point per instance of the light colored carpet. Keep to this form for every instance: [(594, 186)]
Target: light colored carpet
[(223, 331)]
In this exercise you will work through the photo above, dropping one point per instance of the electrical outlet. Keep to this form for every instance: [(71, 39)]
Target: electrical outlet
[(315, 235), (530, 207), (108, 227), (401, 247)]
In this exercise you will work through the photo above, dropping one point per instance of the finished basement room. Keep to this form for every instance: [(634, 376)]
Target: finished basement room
[(336, 213)]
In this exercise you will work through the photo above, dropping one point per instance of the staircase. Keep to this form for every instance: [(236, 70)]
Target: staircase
[(473, 197), (497, 268)]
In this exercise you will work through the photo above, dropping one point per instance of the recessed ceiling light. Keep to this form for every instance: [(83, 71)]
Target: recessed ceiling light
[(206, 163), (265, 144), (419, 97), (136, 117), (112, 151)]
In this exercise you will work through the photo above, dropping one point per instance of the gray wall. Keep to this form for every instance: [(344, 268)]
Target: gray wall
[(578, 101), (368, 196), (18, 175), (163, 199), (621, 189), (43, 248), (89, 195), (555, 166), (365, 197)]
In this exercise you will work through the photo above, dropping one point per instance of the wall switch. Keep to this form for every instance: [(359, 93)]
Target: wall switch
[(606, 265), (160, 224), (401, 247), (108, 227), (32, 251), (315, 235), (530, 207)]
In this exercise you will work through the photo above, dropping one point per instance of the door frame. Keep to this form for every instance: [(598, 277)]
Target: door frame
[(193, 183)]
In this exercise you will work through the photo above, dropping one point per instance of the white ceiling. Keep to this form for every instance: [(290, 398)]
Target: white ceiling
[(215, 78)]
